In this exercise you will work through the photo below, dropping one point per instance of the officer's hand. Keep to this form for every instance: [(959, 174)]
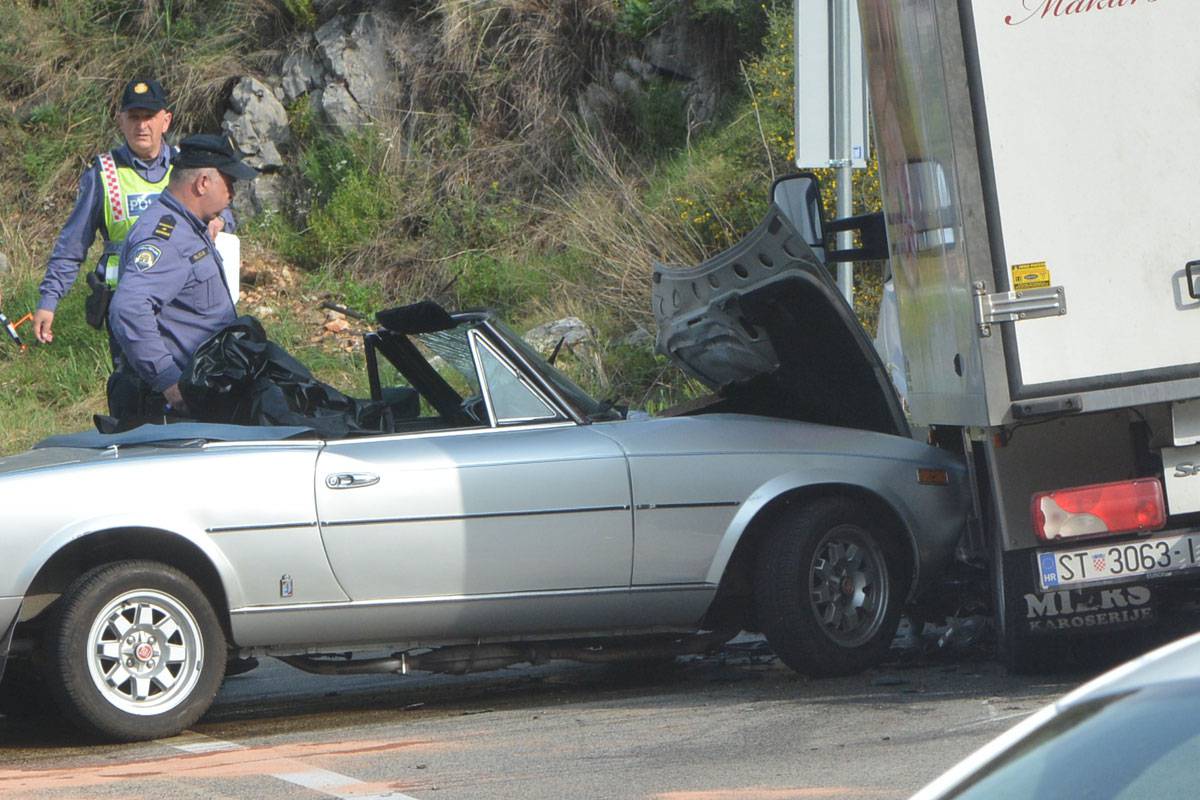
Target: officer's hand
[(175, 398), (215, 226), (43, 319)]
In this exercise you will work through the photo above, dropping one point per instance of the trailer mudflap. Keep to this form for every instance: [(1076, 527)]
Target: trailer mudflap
[(1032, 611)]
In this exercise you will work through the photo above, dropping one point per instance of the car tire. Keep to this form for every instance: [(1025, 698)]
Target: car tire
[(828, 588), (136, 651)]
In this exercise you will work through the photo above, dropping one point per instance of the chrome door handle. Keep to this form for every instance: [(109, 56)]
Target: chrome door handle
[(350, 480)]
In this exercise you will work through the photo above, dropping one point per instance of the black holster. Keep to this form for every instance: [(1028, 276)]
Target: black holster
[(132, 401), (96, 306)]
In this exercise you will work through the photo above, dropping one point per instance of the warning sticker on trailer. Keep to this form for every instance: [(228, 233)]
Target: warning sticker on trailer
[(1030, 276)]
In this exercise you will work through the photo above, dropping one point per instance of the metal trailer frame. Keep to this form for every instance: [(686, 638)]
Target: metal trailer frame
[(959, 314)]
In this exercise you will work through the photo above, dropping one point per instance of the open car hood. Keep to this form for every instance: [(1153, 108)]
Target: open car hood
[(765, 326)]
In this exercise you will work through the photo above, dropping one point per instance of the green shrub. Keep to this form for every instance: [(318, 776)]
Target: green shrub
[(354, 215), (640, 18), (365, 298), (343, 200), (483, 280)]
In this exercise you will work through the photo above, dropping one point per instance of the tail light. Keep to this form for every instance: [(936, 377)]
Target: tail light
[(1103, 509)]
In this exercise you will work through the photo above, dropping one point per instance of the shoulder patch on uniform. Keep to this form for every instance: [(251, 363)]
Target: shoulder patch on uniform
[(164, 227), (199, 254), (144, 256)]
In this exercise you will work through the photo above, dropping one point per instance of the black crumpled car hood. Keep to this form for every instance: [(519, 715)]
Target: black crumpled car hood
[(764, 325)]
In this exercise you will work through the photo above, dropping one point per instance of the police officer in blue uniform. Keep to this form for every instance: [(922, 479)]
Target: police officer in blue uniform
[(172, 293), (115, 190)]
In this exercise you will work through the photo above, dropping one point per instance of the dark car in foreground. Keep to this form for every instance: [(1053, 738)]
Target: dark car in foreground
[(1131, 734)]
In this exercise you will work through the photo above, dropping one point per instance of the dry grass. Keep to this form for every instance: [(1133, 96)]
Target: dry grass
[(486, 110), (607, 218), (515, 67)]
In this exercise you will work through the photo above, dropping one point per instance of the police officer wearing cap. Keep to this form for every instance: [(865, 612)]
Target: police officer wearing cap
[(172, 293), (119, 186)]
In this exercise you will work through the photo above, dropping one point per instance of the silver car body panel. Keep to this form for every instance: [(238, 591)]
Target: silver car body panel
[(408, 622), (488, 533), (530, 531), (182, 492), (682, 496), (494, 511)]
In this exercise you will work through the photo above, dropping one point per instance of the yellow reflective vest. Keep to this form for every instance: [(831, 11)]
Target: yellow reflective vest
[(126, 195)]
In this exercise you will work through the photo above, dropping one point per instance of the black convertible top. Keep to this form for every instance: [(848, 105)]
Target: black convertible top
[(178, 433)]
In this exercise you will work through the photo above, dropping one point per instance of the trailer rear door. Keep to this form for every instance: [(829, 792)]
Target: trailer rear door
[(1090, 114)]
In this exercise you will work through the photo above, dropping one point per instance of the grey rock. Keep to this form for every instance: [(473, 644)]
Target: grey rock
[(354, 51), (340, 109), (626, 84), (598, 106), (328, 8), (258, 123), (302, 72), (640, 68), (572, 330), (5, 266), (685, 49), (263, 195), (701, 103), (667, 53), (638, 337)]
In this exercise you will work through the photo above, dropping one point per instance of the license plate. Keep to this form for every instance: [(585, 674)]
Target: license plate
[(1103, 563)]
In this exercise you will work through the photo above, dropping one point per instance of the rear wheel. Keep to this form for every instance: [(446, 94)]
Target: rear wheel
[(136, 651), (828, 588)]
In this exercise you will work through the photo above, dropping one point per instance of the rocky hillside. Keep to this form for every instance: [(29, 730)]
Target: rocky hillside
[(534, 156)]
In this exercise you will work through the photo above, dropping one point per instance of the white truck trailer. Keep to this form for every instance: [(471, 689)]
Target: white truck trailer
[(1040, 164)]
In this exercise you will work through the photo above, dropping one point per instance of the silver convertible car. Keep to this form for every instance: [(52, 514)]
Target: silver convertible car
[(506, 517)]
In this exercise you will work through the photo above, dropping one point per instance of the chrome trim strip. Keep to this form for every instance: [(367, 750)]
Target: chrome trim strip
[(313, 444), (713, 504), (479, 341), (333, 444), (473, 343), (480, 515), (270, 526), (497, 337), (461, 598)]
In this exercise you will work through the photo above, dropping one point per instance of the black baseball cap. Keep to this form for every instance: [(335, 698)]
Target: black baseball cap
[(144, 93), (213, 150)]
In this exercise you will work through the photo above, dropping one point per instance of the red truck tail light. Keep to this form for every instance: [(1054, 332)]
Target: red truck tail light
[(1102, 509)]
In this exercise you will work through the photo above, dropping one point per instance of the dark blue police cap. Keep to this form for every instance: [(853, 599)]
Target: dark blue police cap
[(144, 93), (213, 150)]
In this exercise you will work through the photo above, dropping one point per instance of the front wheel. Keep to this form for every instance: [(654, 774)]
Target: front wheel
[(828, 588), (136, 651)]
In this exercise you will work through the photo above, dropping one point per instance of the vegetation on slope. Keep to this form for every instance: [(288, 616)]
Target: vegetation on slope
[(500, 196)]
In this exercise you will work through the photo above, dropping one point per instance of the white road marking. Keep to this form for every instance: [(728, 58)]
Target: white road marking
[(989, 720), (319, 780)]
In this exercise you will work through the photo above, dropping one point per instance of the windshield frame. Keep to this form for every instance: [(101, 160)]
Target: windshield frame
[(581, 406)]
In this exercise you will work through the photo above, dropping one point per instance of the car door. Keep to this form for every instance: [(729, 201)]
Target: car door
[(522, 523)]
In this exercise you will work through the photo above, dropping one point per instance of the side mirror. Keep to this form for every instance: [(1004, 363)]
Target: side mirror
[(799, 198)]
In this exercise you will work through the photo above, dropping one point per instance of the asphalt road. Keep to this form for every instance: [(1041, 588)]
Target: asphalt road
[(734, 726)]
